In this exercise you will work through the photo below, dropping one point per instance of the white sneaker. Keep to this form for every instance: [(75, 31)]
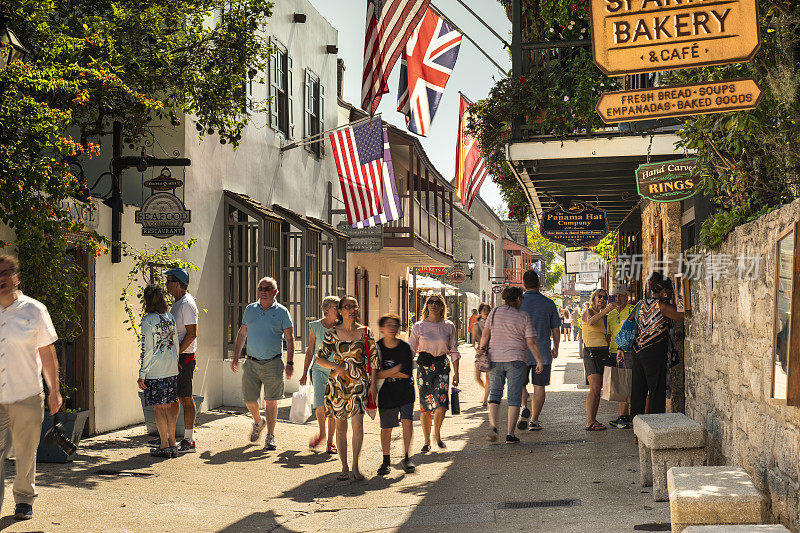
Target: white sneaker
[(269, 443), (257, 430)]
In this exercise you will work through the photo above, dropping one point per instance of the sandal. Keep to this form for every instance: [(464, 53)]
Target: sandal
[(595, 426), (314, 442), (426, 448), (344, 476), (331, 449)]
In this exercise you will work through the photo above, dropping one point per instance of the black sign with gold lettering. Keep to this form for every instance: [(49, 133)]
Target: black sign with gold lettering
[(580, 224), (669, 181)]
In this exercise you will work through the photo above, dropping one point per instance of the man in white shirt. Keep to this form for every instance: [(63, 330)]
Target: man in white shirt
[(185, 312), (26, 352)]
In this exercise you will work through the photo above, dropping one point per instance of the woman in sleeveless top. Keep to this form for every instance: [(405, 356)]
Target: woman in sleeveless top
[(595, 353)]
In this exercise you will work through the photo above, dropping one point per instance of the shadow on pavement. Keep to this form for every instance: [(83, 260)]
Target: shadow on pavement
[(294, 459), (242, 454), (263, 521), (81, 474)]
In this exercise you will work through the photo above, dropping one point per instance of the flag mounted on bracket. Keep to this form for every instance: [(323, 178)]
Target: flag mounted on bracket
[(471, 167), (358, 151), (427, 63), (389, 25), (392, 209)]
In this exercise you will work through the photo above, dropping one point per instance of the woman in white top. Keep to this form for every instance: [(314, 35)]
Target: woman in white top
[(434, 339)]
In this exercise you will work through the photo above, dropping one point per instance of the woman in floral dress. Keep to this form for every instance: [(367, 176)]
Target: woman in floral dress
[(433, 338), (353, 378)]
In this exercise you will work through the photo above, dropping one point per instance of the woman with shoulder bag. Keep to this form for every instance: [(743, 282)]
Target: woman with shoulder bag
[(509, 334), (433, 339), (349, 350), (595, 353), (651, 347)]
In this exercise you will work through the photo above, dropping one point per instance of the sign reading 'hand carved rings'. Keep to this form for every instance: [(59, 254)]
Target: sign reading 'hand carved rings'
[(630, 36), (679, 101), (669, 181)]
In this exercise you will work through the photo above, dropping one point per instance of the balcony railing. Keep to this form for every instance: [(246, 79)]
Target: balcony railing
[(427, 227)]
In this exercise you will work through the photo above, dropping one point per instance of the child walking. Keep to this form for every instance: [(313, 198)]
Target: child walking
[(396, 397)]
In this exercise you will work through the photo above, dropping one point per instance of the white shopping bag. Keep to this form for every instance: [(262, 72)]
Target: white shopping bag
[(301, 405)]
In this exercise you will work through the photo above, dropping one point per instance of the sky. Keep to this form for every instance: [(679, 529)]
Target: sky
[(472, 74)]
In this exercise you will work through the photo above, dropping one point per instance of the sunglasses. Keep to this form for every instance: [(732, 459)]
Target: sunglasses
[(436, 302), (349, 307), (603, 296), (266, 289)]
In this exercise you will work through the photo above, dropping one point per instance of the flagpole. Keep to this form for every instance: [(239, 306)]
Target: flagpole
[(505, 43), (455, 27), (318, 137)]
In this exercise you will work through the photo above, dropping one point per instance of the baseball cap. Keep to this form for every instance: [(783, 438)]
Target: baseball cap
[(620, 289), (181, 274)]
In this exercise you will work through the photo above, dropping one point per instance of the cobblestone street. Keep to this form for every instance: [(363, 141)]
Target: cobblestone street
[(230, 485)]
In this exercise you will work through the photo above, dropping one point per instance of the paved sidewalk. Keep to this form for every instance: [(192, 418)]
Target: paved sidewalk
[(230, 485)]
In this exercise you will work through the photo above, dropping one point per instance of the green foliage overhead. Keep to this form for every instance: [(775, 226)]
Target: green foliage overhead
[(750, 160), (143, 63)]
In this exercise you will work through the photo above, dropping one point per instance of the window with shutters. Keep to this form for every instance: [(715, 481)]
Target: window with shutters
[(281, 89), (314, 112)]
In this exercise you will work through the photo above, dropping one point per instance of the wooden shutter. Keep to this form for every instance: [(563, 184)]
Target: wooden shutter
[(273, 85), (290, 95), (308, 106), (321, 117)]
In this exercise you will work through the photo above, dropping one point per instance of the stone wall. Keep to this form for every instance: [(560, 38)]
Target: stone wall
[(728, 370), (669, 214)]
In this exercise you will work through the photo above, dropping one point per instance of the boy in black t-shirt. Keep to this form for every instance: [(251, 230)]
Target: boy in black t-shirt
[(396, 397)]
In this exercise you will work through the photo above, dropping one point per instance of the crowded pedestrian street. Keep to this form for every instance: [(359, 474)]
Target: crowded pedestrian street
[(561, 478)]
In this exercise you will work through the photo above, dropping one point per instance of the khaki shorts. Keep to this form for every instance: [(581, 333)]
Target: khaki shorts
[(267, 374)]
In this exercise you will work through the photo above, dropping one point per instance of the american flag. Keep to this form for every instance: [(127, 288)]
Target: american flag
[(358, 151), (392, 210), (389, 25), (426, 66), (470, 165)]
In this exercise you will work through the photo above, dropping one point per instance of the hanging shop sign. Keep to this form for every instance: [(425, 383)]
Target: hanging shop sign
[(679, 101), (457, 276), (578, 261), (580, 224), (368, 240), (163, 215), (630, 36), (435, 271), (669, 181), (497, 289), (164, 181)]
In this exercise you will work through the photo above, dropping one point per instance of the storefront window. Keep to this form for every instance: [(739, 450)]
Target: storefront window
[(785, 383)]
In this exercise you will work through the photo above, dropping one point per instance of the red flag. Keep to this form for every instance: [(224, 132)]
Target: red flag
[(471, 167)]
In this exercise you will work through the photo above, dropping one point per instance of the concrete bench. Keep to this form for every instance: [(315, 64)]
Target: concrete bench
[(667, 440), (713, 495), (762, 528)]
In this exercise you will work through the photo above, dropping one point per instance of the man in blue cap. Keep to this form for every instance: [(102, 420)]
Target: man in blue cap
[(185, 312)]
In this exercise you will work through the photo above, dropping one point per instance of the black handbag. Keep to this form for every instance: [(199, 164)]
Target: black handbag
[(455, 405)]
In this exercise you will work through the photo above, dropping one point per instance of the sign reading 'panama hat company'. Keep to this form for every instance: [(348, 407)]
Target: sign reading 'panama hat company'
[(580, 224), (694, 99), (630, 36), (669, 181)]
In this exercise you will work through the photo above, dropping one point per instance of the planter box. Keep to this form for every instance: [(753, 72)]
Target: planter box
[(73, 424), (150, 416)]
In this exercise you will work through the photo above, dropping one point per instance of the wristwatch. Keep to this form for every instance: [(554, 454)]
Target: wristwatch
[(290, 363)]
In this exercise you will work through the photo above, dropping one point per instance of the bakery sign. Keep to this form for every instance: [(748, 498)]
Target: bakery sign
[(578, 224), (630, 36), (163, 215), (669, 181)]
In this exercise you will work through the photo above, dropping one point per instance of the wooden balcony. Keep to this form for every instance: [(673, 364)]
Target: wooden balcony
[(424, 235)]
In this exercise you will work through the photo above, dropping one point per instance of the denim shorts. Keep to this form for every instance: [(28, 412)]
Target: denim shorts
[(516, 373)]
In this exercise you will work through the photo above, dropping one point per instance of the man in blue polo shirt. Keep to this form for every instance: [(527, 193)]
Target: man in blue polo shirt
[(547, 324), (265, 324)]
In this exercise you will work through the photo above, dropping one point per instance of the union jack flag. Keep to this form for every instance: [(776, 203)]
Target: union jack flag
[(428, 61)]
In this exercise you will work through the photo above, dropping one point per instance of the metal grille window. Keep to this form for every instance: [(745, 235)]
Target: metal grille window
[(281, 90), (314, 113), (341, 267), (291, 282), (312, 278)]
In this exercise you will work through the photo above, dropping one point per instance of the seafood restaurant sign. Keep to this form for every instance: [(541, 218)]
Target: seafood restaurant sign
[(630, 36)]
